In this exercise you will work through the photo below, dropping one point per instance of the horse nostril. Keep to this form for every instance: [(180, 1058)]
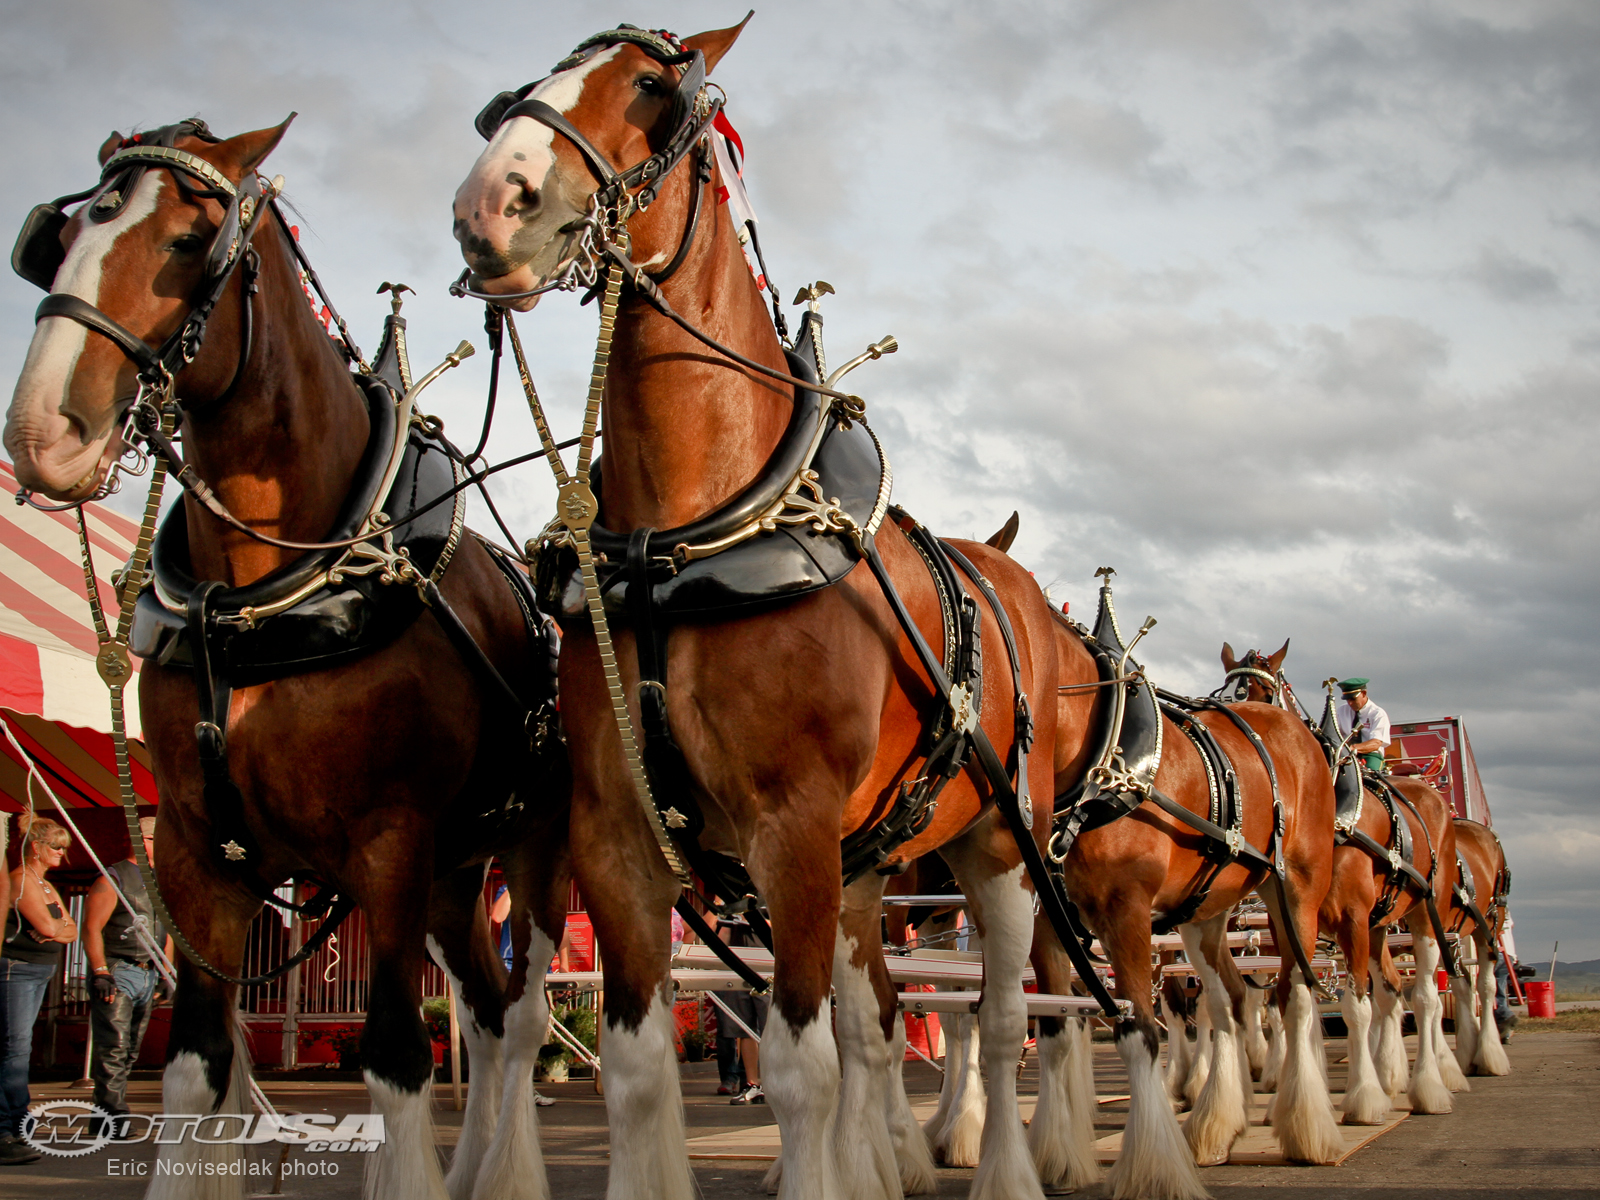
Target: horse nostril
[(527, 203)]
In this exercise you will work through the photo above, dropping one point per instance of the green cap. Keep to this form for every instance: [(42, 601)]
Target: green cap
[(1351, 686)]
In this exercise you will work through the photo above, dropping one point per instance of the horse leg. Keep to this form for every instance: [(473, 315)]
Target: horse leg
[(396, 1052), (513, 1165), (956, 1142), (1302, 1111), (1365, 1102), (1255, 1041), (917, 1175), (1155, 1163), (1180, 1054), (800, 1064), (1061, 1134), (1461, 990), (1389, 1049), (1002, 907), (1428, 1091), (1490, 1058), (208, 1065), (1219, 1114), (1272, 1022), (458, 941), (864, 995), (1200, 1060)]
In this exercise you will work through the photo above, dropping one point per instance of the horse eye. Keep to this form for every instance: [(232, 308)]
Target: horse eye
[(650, 85), (187, 242)]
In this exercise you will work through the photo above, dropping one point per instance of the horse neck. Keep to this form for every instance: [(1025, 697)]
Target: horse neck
[(282, 451), (685, 429)]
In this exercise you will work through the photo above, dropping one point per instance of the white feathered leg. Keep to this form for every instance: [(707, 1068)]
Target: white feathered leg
[(1389, 1053), (1061, 1134), (1219, 1114), (957, 1031), (917, 1174), (861, 1143), (1490, 1058), (513, 1165), (1365, 1101), (1466, 1026), (1273, 1021), (1155, 1161), (483, 1092), (1302, 1112), (644, 1108), (1428, 1091), (958, 1142), (800, 1075), (199, 1170), (1004, 910)]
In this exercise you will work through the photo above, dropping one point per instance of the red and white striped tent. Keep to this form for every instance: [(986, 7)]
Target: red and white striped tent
[(51, 696)]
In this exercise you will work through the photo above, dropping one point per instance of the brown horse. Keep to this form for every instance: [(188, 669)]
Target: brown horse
[(798, 723), (374, 774), (1370, 888), (1149, 862), (1478, 1048)]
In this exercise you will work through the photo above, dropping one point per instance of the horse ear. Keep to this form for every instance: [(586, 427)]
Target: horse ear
[(110, 147), (249, 150), (1229, 662), (1002, 539), (1275, 660), (714, 43)]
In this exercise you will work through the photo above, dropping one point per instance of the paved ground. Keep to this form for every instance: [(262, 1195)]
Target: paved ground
[(1535, 1132)]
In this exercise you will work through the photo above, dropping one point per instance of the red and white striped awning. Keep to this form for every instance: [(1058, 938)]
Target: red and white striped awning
[(50, 693)]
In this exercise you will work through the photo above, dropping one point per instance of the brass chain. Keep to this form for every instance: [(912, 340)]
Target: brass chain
[(577, 508)]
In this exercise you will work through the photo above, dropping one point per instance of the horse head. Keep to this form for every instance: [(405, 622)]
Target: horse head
[(124, 273), (1255, 677), (525, 213)]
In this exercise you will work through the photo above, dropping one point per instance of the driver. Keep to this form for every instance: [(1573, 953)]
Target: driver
[(1358, 712)]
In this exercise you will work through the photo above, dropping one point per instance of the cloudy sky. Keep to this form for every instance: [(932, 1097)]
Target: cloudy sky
[(1285, 310)]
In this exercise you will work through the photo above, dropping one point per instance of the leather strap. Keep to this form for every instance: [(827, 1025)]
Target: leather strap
[(61, 304), (544, 114)]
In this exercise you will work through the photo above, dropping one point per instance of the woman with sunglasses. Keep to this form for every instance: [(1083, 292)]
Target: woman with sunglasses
[(37, 928)]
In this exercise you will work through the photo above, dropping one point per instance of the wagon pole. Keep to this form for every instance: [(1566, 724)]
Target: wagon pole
[(455, 1043), (291, 995)]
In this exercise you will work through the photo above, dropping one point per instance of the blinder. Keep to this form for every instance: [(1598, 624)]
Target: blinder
[(38, 254)]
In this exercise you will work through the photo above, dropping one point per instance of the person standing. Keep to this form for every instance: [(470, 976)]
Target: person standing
[(37, 928), (1358, 712), (125, 983), (752, 1011)]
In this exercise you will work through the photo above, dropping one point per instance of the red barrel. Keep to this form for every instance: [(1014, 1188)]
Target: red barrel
[(1541, 998)]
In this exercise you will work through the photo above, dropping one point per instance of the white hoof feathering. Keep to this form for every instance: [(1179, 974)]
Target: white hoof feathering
[(1365, 1102), (1061, 1134), (1466, 1026), (1429, 1094), (1302, 1113), (957, 1033), (800, 1075), (513, 1165), (644, 1108), (917, 1174), (406, 1166), (199, 1170), (862, 1146), (1155, 1163)]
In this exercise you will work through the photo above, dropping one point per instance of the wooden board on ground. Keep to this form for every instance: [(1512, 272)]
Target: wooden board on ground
[(762, 1141), (1258, 1148)]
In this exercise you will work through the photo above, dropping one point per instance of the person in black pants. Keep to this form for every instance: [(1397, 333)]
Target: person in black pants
[(125, 983), (37, 927)]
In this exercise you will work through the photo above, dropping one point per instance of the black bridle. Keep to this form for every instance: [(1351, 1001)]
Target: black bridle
[(692, 113), (38, 256), (1254, 667)]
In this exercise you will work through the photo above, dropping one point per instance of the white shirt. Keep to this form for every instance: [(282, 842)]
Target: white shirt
[(1373, 720), (1507, 941)]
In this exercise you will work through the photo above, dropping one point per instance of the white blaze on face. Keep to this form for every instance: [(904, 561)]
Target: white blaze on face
[(518, 159), (36, 426)]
